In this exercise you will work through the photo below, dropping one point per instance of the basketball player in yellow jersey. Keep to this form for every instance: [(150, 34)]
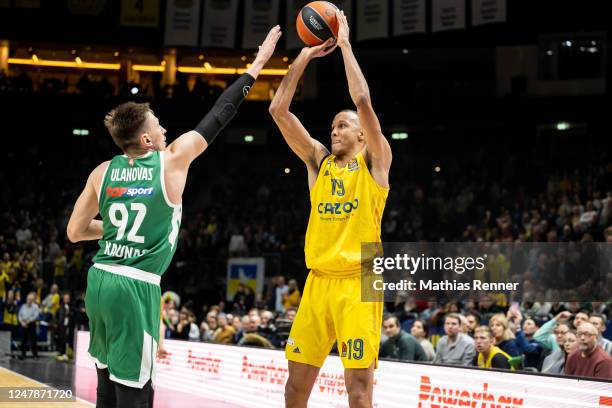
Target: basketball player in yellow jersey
[(348, 190)]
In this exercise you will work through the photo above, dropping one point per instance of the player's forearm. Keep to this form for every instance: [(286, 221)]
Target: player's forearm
[(255, 69), (285, 92), (225, 108), (358, 87), (92, 231)]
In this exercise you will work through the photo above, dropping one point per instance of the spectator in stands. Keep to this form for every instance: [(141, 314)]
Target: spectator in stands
[(548, 336), (600, 322), (28, 314), (194, 330), (473, 321), (225, 332), (420, 330), (279, 291), (51, 303), (432, 306), (399, 344), (290, 313), (244, 323), (487, 307), (580, 317), (251, 337), (293, 296), (183, 326), (64, 327), (589, 360), (504, 337), (455, 347), (267, 328), (9, 312), (489, 355), (570, 343), (527, 345), (554, 359)]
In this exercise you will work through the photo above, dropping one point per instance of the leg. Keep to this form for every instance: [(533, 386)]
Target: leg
[(106, 396), (359, 385), (131, 397), (299, 384), (24, 341), (311, 338), (33, 339)]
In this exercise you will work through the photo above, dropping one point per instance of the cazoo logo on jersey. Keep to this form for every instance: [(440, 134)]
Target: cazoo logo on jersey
[(338, 208)]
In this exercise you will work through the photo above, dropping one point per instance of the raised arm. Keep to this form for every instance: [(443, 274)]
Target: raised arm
[(190, 145), (82, 226), (297, 137), (378, 150)]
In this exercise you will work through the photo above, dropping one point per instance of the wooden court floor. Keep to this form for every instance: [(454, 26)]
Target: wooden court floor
[(10, 378)]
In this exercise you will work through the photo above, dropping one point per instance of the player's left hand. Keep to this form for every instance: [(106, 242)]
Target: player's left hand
[(343, 29), (266, 49)]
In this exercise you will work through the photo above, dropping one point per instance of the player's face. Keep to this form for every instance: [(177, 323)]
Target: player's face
[(345, 133), (156, 134)]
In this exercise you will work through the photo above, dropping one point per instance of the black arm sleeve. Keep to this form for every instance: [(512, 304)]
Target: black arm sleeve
[(225, 108)]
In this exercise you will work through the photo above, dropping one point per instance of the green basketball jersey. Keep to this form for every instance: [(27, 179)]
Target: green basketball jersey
[(140, 224)]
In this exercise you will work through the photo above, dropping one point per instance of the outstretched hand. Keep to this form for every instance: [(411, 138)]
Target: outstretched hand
[(343, 28), (266, 49)]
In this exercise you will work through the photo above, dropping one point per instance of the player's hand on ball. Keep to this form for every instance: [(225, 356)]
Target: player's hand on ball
[(266, 49), (320, 50), (343, 29)]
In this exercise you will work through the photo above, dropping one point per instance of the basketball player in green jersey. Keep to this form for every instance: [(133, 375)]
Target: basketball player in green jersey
[(138, 196)]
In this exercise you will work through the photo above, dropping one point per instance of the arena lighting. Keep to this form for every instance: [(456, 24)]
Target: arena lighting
[(207, 69), (202, 70), (80, 132), (65, 64), (249, 138), (148, 68), (266, 71), (563, 126), (399, 136)]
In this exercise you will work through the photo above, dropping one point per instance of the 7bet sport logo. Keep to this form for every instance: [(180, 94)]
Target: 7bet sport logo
[(128, 191)]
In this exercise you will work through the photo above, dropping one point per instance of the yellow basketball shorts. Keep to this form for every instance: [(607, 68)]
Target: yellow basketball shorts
[(331, 310)]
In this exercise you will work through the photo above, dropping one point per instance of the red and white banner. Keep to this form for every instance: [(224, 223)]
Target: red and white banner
[(372, 19), (447, 15), (408, 16), (488, 11), (202, 374), (182, 22), (219, 23), (259, 17)]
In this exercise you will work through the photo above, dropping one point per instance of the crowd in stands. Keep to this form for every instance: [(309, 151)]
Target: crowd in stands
[(267, 212)]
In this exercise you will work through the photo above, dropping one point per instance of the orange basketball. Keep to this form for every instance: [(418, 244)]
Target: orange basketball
[(317, 22)]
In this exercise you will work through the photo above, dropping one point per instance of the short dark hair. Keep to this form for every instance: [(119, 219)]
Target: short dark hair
[(476, 315), (124, 122), (455, 316), (601, 316), (392, 317)]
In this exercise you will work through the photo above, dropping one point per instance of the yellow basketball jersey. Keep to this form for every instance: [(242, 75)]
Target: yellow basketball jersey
[(347, 205)]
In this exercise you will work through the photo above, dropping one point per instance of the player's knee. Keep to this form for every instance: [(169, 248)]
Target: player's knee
[(294, 387), (358, 388)]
